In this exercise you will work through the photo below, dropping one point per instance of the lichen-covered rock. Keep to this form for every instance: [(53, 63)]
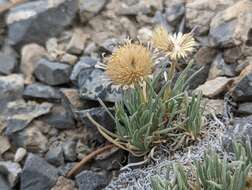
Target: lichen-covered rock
[(36, 21)]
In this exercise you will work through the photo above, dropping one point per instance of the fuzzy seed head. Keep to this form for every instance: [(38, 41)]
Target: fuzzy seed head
[(129, 64), (175, 46)]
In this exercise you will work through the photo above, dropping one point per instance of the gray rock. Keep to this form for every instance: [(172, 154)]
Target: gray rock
[(60, 118), (21, 114), (7, 63), (11, 170), (52, 16), (69, 149), (175, 12), (55, 156), (88, 9), (243, 90), (101, 116), (41, 92), (38, 174), (231, 55), (52, 73), (245, 108), (109, 45), (11, 88), (5, 144), (93, 84), (84, 63), (88, 180), (4, 184), (241, 130)]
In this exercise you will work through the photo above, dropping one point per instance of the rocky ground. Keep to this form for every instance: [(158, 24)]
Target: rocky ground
[(49, 82)]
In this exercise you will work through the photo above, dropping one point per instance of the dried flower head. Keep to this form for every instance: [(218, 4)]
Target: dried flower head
[(175, 46), (129, 64)]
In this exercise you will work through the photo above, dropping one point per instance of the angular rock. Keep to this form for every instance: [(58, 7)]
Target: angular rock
[(220, 68), (38, 174), (231, 28), (41, 92), (69, 149), (101, 116), (84, 63), (93, 84), (20, 154), (231, 55), (30, 55), (5, 144), (21, 114), (64, 184), (242, 91), (245, 108), (69, 59), (174, 12), (55, 156), (7, 63), (215, 87), (4, 184), (52, 16), (199, 13), (30, 138), (88, 180), (52, 73), (88, 9), (215, 106), (109, 45), (11, 88), (11, 170)]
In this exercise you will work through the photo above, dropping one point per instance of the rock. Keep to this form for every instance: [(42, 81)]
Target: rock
[(31, 139), (69, 149), (231, 26), (20, 154), (69, 59), (99, 115), (88, 9), (215, 87), (30, 55), (5, 144), (242, 90), (52, 15), (174, 12), (7, 63), (245, 108), (11, 170), (38, 174), (11, 88), (199, 13), (93, 84), (88, 180), (84, 63), (241, 130), (231, 55), (55, 156), (52, 73), (109, 45), (78, 40), (41, 92), (60, 118), (64, 184), (144, 35), (215, 106), (4, 184), (21, 114), (220, 68)]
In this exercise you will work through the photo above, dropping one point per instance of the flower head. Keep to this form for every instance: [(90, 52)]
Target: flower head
[(175, 46), (129, 64)]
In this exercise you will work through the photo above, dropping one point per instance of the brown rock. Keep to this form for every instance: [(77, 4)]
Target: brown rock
[(5, 144), (215, 87), (64, 184)]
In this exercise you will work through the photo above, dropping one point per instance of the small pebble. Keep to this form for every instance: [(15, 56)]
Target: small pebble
[(20, 154)]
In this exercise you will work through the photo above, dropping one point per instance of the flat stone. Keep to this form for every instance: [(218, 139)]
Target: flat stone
[(30, 55), (229, 27), (11, 88), (7, 63), (55, 156), (88, 180), (41, 92), (21, 114), (38, 174), (88, 9), (11, 170), (245, 108), (5, 144), (52, 15), (52, 73), (215, 87)]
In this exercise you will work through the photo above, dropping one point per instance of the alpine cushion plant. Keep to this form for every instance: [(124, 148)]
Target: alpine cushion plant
[(149, 115)]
